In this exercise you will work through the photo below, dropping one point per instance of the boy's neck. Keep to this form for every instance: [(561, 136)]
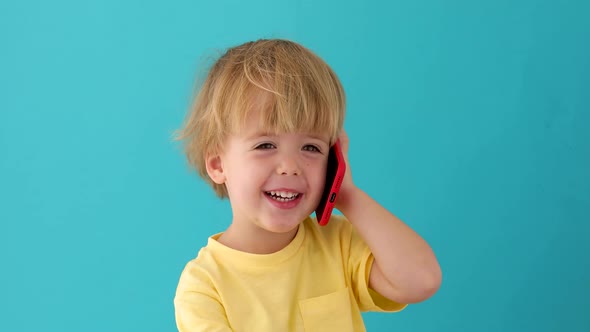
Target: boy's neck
[(255, 240)]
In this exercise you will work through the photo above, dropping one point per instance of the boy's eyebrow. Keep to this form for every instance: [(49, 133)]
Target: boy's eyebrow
[(263, 133), (259, 134), (317, 136), (320, 137)]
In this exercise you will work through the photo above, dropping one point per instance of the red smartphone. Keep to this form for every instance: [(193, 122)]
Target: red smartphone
[(334, 176)]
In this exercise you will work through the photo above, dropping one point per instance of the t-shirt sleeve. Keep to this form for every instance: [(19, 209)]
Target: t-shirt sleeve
[(360, 261), (197, 306)]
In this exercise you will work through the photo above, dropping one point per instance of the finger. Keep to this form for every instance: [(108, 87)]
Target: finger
[(343, 137)]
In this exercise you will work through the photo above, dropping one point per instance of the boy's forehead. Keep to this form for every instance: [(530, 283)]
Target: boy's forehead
[(259, 117), (255, 126)]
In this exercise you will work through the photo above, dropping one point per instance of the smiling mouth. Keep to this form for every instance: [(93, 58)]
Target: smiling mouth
[(282, 196)]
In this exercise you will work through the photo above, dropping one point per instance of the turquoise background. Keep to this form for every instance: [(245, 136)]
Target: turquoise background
[(470, 120)]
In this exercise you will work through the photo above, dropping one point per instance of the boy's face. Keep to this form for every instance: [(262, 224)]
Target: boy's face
[(274, 181)]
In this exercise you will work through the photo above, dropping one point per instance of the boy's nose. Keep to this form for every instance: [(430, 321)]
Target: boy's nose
[(289, 166)]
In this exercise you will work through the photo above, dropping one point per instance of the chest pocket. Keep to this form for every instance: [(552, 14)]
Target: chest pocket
[(326, 313)]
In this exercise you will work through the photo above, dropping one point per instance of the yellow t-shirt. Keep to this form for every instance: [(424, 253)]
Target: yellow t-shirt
[(319, 282)]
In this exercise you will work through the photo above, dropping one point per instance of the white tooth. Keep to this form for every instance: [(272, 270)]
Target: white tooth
[(283, 194)]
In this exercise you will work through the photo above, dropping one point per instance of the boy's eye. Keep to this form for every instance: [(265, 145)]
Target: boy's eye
[(311, 148), (265, 146)]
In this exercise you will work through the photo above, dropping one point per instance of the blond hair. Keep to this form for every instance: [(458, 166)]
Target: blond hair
[(300, 93)]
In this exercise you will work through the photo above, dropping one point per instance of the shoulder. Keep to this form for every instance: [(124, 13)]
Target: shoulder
[(337, 232), (198, 273), (197, 301), (337, 226)]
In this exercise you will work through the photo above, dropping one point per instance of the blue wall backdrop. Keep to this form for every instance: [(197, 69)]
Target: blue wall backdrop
[(470, 120)]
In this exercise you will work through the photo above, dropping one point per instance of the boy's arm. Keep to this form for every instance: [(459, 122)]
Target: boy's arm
[(200, 313), (405, 269), (197, 306)]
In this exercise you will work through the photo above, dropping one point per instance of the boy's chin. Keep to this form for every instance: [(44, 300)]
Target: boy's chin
[(284, 226)]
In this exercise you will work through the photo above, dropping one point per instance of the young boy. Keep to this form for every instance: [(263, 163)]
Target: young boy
[(259, 132)]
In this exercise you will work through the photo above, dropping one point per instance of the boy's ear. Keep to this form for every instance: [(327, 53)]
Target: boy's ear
[(215, 169)]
